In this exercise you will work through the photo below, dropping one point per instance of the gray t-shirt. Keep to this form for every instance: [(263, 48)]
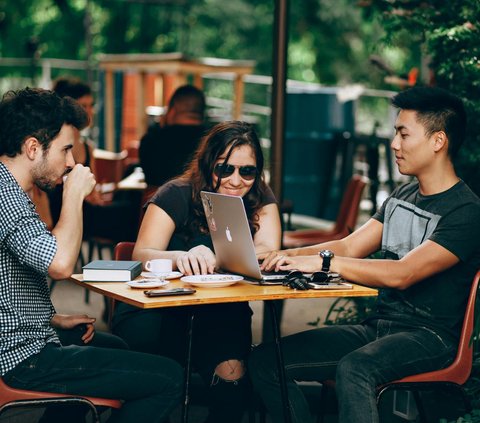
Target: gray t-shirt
[(450, 219)]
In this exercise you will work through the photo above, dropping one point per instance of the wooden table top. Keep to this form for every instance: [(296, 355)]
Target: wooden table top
[(241, 291)]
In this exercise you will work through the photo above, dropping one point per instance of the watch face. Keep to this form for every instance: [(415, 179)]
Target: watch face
[(326, 253)]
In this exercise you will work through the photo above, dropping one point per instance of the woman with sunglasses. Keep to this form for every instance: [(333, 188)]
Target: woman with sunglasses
[(229, 161)]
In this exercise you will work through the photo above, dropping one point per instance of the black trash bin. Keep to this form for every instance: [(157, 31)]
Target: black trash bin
[(316, 124)]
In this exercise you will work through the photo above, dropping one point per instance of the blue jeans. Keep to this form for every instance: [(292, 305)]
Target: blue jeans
[(151, 386), (359, 358)]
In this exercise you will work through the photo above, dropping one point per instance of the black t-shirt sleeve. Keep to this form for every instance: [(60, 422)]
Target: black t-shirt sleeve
[(459, 231), (174, 198), (269, 196)]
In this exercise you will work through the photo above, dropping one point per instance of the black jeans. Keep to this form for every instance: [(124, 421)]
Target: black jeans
[(221, 332), (358, 357), (151, 386)]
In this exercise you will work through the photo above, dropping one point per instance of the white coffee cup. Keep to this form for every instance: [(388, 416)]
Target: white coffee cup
[(159, 266)]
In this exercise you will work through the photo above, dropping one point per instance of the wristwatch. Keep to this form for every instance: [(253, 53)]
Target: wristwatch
[(327, 256)]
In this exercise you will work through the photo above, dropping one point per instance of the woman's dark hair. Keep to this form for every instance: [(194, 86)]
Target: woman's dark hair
[(224, 137)]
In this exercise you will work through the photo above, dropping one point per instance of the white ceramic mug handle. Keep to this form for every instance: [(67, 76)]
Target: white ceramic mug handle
[(148, 265)]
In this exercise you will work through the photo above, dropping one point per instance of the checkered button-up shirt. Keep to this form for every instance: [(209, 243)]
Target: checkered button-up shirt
[(26, 250)]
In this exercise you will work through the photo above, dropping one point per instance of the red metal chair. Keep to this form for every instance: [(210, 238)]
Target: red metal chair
[(453, 376), (12, 397), (122, 251), (344, 224)]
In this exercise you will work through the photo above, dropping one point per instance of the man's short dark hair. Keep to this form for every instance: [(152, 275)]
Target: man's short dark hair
[(71, 87), (188, 99), (437, 110), (33, 112)]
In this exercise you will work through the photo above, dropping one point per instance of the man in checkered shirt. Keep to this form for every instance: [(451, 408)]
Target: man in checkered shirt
[(36, 135)]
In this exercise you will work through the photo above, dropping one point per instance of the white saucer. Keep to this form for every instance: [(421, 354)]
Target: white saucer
[(211, 281), (171, 275), (147, 283)]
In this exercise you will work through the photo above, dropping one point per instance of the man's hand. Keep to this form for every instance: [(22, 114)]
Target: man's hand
[(271, 258), (79, 182), (306, 264), (200, 260), (64, 321)]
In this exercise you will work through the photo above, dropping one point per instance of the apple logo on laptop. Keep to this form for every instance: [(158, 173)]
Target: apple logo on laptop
[(228, 234)]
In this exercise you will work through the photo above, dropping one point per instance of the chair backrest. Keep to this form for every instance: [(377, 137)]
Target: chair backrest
[(124, 250), (348, 211), (459, 371), (107, 166), (9, 394)]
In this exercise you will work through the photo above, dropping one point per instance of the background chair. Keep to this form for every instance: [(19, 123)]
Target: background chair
[(344, 224), (12, 397), (122, 251)]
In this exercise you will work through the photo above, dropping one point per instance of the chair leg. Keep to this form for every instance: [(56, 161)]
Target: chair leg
[(323, 397), (466, 401), (50, 401), (91, 249), (417, 396), (188, 369)]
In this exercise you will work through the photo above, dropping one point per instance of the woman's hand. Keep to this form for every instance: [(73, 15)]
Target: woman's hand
[(64, 321), (200, 260)]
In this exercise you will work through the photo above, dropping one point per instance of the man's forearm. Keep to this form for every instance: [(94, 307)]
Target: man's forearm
[(68, 233)]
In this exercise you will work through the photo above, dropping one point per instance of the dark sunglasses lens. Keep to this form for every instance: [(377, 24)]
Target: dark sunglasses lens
[(319, 277), (223, 170), (248, 172)]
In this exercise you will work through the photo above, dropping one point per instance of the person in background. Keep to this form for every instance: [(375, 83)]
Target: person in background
[(37, 129), (429, 236), (79, 91), (229, 160), (82, 147), (166, 149), (114, 218)]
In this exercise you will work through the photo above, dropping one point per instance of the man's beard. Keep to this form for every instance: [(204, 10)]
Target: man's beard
[(42, 177), (45, 184)]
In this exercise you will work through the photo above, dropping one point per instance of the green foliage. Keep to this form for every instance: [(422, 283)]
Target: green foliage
[(451, 42), (329, 41)]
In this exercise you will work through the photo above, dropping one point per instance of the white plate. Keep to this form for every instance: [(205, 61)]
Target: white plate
[(147, 283), (212, 281), (171, 275)]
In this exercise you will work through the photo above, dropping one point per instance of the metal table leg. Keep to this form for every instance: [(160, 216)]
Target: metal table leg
[(287, 416), (188, 369)]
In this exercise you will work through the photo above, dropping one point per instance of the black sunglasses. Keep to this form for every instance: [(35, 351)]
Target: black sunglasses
[(223, 170)]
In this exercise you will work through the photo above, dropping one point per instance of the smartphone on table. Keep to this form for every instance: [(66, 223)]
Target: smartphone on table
[(168, 292)]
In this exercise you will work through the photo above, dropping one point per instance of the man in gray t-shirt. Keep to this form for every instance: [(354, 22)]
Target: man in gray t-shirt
[(430, 238)]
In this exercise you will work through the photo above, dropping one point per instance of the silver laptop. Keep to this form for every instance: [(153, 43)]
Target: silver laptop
[(232, 240)]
